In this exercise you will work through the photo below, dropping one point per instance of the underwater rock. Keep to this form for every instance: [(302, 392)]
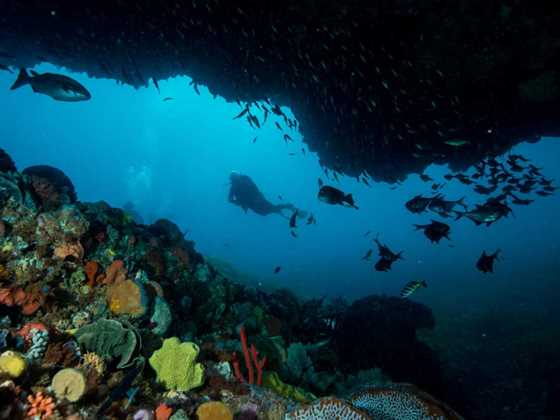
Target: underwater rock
[(6, 162), (380, 331), (50, 186)]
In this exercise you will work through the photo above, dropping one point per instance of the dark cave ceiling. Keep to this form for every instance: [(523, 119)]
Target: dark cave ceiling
[(378, 87)]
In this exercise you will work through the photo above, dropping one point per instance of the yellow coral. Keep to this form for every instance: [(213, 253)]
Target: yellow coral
[(95, 362), (12, 364), (125, 297), (175, 365), (69, 384)]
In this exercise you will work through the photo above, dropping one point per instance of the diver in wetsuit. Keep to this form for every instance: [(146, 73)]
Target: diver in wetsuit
[(244, 193)]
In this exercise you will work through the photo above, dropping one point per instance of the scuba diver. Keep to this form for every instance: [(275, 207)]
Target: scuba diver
[(244, 193)]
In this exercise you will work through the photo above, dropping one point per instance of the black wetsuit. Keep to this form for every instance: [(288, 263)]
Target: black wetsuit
[(245, 194)]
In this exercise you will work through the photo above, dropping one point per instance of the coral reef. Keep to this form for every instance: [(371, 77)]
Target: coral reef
[(88, 296)]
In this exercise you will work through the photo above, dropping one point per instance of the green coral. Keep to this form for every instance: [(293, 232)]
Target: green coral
[(273, 382), (175, 365), (109, 339)]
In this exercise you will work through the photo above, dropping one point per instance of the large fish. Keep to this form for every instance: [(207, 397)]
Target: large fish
[(331, 195), (57, 86)]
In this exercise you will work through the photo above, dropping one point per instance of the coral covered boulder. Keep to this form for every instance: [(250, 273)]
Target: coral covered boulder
[(380, 331), (6, 162), (51, 186)]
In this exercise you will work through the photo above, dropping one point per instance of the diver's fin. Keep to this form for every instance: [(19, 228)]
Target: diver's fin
[(22, 79)]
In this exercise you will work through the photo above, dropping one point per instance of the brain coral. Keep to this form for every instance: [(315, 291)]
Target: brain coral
[(402, 402), (327, 409)]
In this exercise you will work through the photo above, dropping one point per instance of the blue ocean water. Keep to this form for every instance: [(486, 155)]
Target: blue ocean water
[(172, 159)]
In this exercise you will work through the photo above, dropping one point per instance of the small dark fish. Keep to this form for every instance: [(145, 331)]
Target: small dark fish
[(303, 151), (195, 86), (486, 262), (435, 231), (277, 270), (520, 201), (293, 220), (418, 204), (364, 180), (293, 233), (311, 220), (241, 113), (368, 255), (464, 179), (425, 178), (255, 121), (481, 189), (287, 138), (411, 287), (331, 195), (156, 84), (444, 207), (436, 186), (449, 177), (387, 257), (280, 197), (5, 68), (544, 193), (167, 98), (278, 126), (367, 233), (487, 213), (254, 140)]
